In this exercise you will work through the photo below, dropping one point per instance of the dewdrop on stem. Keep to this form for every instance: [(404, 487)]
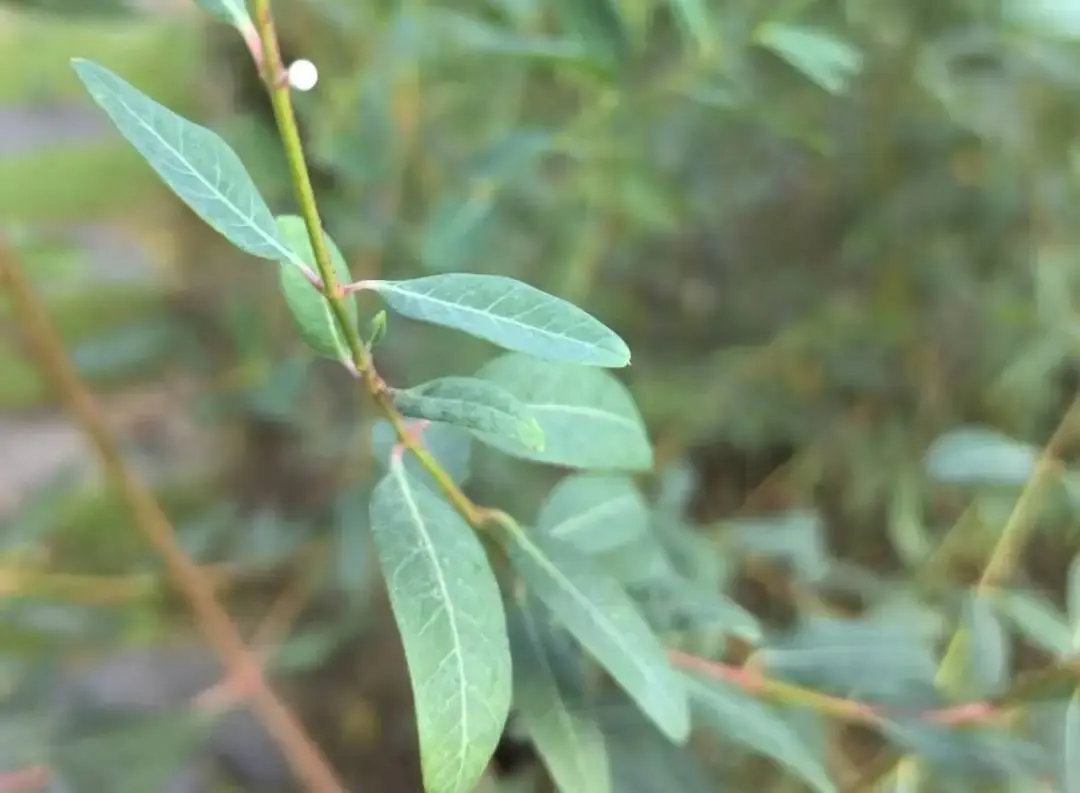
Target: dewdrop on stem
[(303, 75)]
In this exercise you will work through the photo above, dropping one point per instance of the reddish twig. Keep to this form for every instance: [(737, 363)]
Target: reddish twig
[(302, 754)]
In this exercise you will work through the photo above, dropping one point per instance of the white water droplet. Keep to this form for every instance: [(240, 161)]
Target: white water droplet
[(303, 75)]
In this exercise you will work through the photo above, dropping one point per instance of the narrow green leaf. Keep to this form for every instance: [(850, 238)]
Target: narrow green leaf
[(449, 610), (739, 718), (1072, 745), (987, 646), (549, 696), (600, 615), (599, 26), (694, 17), (508, 313), (310, 311), (1037, 619), (595, 512), (643, 759), (473, 404), (588, 417), (194, 162), (822, 57), (979, 456), (1072, 593), (232, 11)]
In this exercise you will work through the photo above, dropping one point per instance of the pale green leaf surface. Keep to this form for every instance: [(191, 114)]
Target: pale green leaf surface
[(1072, 592), (979, 456), (1037, 619), (449, 611), (474, 404), (193, 161), (549, 697), (508, 313), (697, 23), (588, 417), (595, 512), (599, 26), (597, 611), (639, 562), (310, 311), (988, 647), (232, 11), (1072, 745), (739, 718), (822, 57)]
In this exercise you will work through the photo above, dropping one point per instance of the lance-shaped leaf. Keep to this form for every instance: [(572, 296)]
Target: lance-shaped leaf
[(1071, 760), (549, 697), (194, 162), (980, 456), (588, 417), (595, 512), (597, 611), (311, 312), (232, 11), (509, 313), (474, 404), (450, 614), (736, 717)]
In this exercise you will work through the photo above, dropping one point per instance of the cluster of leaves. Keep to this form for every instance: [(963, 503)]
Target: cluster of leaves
[(611, 125)]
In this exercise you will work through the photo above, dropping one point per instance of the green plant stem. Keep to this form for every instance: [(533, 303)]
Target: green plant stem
[(240, 664), (274, 75)]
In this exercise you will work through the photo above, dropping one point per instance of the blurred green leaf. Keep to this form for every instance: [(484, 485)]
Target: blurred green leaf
[(597, 611), (193, 161), (311, 312), (824, 58), (736, 717), (696, 20), (473, 404), (450, 446), (588, 417), (1072, 592), (449, 610), (861, 659), (352, 542), (978, 456), (594, 512), (550, 698), (509, 313), (1072, 745), (232, 11), (1056, 18), (141, 755), (599, 26), (705, 609), (1037, 619), (643, 759), (989, 657), (796, 537)]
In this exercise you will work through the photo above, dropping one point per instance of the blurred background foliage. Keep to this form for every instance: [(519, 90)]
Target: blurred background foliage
[(840, 236)]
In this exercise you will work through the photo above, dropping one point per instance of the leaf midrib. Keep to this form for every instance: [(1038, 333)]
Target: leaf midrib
[(616, 636), (563, 712), (429, 550), (596, 510), (119, 99), (392, 287)]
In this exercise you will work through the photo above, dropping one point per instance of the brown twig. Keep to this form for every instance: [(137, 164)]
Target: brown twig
[(301, 753)]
